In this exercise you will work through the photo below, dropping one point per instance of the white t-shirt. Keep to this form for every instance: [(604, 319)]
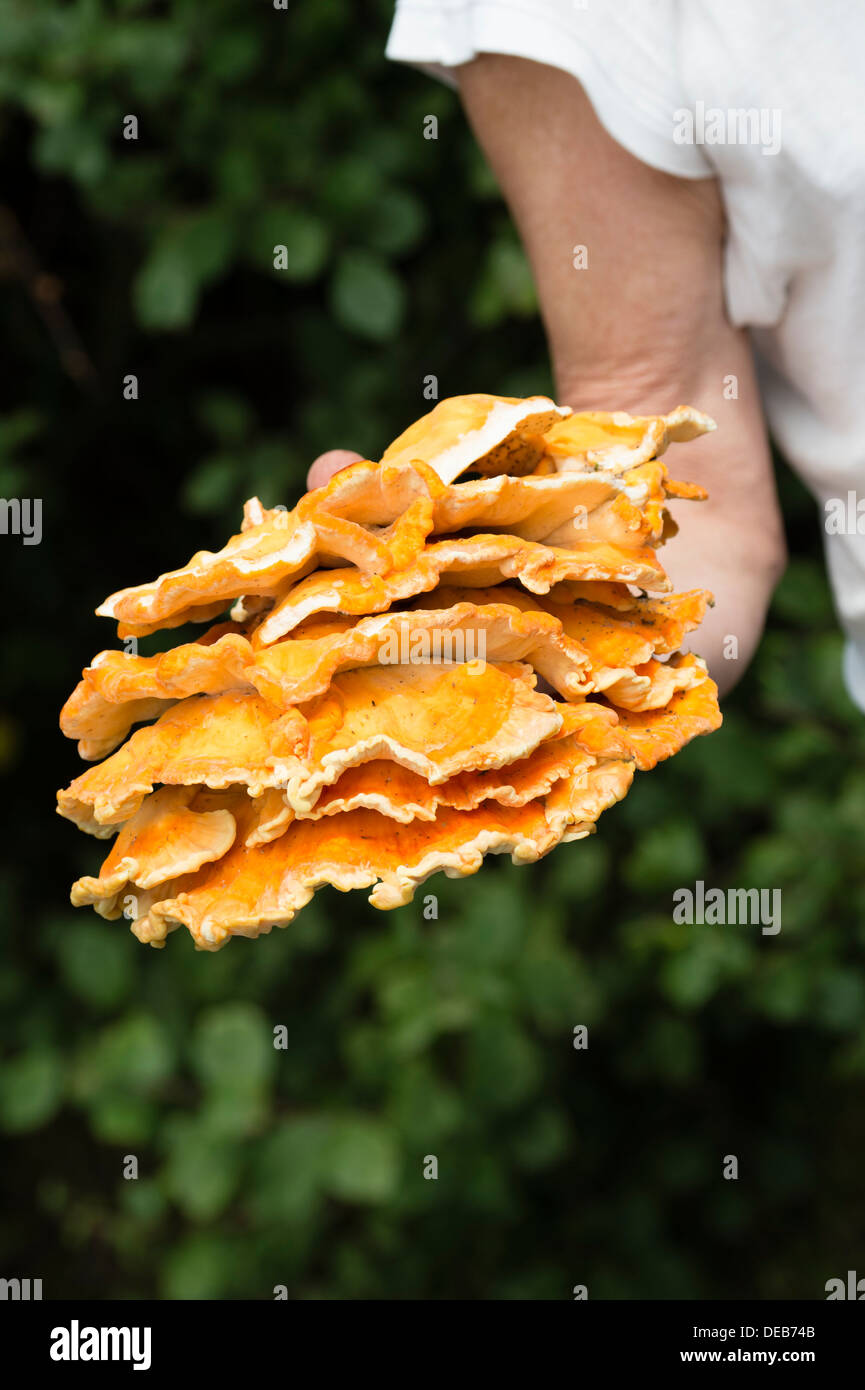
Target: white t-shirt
[(769, 96)]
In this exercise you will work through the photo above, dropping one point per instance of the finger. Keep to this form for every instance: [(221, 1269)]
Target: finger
[(324, 467)]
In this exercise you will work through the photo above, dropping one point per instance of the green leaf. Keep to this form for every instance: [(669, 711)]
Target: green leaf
[(211, 485), (74, 149), (96, 962), (233, 54), (291, 1169), (16, 429), (771, 860), (229, 417), (237, 175), (505, 286), (303, 235), (201, 1171), (424, 1109), (558, 991), (235, 1112), (233, 1047), (839, 1002), (143, 1198), (123, 1119), (362, 1162), (496, 932), (782, 991), (185, 257), (543, 1140), (133, 1054), (667, 856), (366, 297), (53, 100), (710, 956), (803, 596), (396, 223), (199, 1267), (350, 188), (504, 1066), (31, 1086), (581, 871)]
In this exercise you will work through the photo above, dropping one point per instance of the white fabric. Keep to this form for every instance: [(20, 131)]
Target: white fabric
[(795, 194)]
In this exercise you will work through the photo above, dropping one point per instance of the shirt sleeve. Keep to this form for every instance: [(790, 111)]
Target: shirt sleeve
[(622, 52)]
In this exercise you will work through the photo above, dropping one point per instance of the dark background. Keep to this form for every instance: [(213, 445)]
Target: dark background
[(406, 1038)]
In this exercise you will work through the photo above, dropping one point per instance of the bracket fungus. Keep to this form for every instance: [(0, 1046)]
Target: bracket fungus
[(467, 648)]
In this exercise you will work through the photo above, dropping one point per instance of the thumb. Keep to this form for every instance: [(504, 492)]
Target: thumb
[(323, 468)]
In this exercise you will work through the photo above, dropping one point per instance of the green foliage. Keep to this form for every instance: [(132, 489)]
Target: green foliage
[(184, 257), (30, 1089), (405, 1038), (366, 296)]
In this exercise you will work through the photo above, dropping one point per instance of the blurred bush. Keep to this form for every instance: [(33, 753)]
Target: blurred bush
[(404, 1039)]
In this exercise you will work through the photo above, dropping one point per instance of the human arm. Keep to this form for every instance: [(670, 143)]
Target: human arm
[(642, 328)]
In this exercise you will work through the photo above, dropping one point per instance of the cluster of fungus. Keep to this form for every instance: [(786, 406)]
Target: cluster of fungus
[(406, 672)]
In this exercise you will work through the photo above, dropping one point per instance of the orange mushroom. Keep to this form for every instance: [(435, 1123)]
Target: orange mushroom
[(422, 667)]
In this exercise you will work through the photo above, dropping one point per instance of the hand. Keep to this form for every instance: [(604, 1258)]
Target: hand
[(323, 468)]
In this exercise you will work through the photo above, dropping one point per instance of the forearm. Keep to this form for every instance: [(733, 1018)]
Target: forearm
[(639, 324)]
